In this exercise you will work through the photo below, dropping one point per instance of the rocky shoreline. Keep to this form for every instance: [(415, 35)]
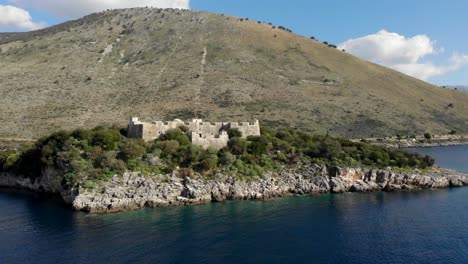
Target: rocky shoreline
[(132, 191), (427, 144), (406, 143)]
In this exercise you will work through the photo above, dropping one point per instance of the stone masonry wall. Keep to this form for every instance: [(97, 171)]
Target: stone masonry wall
[(246, 128), (203, 133), (217, 142)]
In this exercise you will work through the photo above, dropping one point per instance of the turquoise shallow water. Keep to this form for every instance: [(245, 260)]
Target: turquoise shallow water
[(420, 227)]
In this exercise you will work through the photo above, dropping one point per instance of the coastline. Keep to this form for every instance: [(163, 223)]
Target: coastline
[(418, 142), (424, 144), (132, 190)]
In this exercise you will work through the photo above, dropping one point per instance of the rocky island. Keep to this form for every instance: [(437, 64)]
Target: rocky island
[(102, 171), (78, 78)]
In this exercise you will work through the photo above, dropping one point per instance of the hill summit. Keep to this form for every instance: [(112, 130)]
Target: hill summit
[(165, 64)]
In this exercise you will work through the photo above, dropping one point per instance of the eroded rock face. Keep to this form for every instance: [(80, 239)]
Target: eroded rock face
[(50, 181), (132, 191)]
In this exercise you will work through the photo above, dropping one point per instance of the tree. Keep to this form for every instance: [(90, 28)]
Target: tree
[(234, 132), (176, 134), (106, 138), (237, 146), (190, 156), (427, 136), (184, 129), (132, 149), (108, 161), (226, 158), (258, 145), (430, 161), (83, 134), (8, 159), (210, 162), (49, 153), (330, 149), (169, 147)]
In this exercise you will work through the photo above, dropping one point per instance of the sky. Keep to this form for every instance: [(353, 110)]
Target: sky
[(423, 38)]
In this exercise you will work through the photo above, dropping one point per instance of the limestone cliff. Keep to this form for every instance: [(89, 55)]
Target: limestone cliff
[(132, 191)]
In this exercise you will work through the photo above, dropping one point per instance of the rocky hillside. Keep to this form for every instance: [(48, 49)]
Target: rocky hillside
[(165, 64)]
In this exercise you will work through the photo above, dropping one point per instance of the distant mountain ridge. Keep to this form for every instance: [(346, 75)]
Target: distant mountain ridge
[(165, 64), (463, 88)]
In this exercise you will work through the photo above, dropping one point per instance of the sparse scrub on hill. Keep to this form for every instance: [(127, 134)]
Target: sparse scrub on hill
[(86, 156), (84, 73)]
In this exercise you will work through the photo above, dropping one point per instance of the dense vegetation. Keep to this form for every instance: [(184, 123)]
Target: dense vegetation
[(100, 153)]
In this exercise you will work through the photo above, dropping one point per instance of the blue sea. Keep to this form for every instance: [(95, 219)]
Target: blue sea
[(420, 227)]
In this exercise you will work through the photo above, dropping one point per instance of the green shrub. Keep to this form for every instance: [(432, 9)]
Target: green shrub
[(184, 129), (210, 162), (98, 154), (49, 153), (109, 161), (168, 147), (83, 134), (132, 149), (89, 185), (177, 135), (258, 146), (8, 159), (107, 139), (427, 136), (237, 146), (234, 133), (226, 158), (71, 179)]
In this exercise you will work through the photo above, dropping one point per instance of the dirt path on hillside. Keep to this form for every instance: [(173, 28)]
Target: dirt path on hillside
[(17, 139)]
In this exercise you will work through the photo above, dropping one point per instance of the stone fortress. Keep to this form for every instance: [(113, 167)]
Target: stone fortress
[(206, 134)]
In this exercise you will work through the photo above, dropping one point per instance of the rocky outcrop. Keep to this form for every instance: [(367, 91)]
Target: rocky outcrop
[(50, 181), (132, 191)]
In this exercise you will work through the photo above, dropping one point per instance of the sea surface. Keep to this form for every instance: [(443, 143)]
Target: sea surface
[(420, 227), (453, 157)]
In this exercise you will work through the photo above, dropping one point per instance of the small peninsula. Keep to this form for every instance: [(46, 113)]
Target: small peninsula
[(101, 170)]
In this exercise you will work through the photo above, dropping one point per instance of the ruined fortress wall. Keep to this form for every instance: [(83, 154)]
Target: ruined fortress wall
[(135, 128), (207, 128), (217, 142), (135, 131), (155, 129), (203, 133), (246, 128)]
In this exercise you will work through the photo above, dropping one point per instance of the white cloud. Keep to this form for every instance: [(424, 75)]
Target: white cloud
[(77, 8), (423, 71), (17, 18), (402, 54)]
